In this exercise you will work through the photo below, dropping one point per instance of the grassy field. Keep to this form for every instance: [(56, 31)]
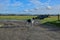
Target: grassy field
[(51, 19), (15, 17)]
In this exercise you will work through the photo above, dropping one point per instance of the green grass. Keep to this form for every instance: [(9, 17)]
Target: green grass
[(57, 23), (15, 17), (51, 20)]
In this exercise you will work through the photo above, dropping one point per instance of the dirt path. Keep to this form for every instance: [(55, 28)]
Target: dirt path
[(37, 32)]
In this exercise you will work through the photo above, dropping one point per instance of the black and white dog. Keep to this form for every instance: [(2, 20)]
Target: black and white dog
[(30, 20)]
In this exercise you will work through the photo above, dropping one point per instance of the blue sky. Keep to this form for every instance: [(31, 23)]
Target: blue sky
[(30, 6)]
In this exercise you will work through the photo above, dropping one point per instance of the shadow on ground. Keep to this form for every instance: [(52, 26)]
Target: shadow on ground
[(51, 26)]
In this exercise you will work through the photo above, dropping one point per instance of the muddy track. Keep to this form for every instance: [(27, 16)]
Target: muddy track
[(20, 30)]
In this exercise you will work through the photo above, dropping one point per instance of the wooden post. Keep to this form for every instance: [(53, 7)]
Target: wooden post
[(58, 17)]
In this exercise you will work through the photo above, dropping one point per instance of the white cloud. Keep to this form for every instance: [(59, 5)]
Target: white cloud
[(51, 10), (6, 6), (39, 3), (39, 7), (16, 4), (29, 4), (48, 7), (44, 8), (7, 3), (35, 2), (26, 10)]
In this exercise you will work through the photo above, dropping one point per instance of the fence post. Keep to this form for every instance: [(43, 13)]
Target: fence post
[(58, 17)]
